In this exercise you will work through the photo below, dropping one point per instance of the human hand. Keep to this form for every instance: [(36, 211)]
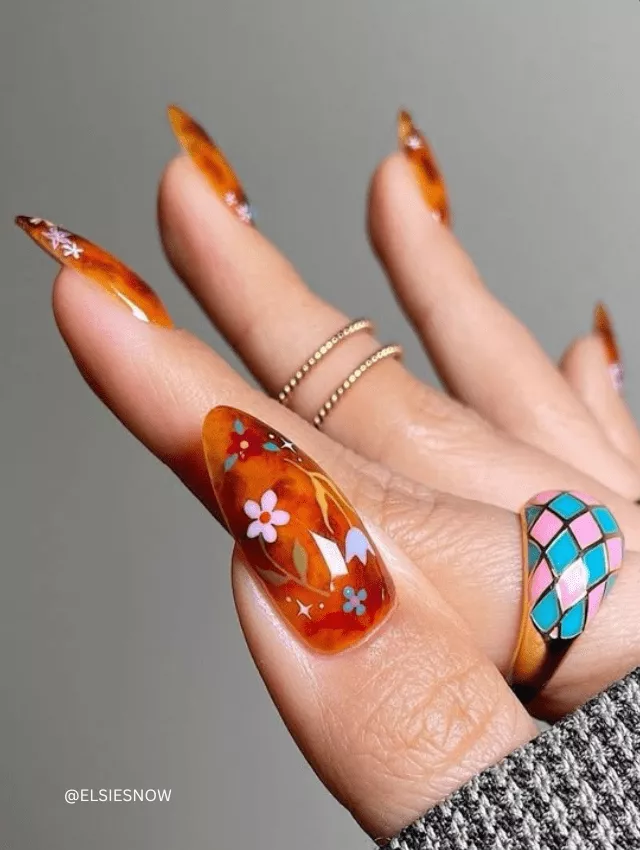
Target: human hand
[(397, 722)]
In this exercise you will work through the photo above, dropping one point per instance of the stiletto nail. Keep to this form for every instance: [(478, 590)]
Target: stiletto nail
[(603, 327), (419, 153), (297, 531), (93, 262), (211, 162)]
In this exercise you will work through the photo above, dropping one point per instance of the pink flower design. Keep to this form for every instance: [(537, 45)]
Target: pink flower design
[(265, 517)]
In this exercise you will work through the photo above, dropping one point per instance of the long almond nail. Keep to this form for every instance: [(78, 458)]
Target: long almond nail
[(93, 262), (603, 327), (211, 162), (419, 153), (297, 531)]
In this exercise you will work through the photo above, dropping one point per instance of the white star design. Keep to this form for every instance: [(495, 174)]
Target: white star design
[(288, 445), (303, 610), (56, 237), (70, 249), (414, 142)]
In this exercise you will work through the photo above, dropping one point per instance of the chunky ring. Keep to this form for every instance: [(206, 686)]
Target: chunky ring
[(357, 326), (393, 350), (573, 548)]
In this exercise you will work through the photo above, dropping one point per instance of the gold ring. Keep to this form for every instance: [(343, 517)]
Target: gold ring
[(357, 326), (393, 350)]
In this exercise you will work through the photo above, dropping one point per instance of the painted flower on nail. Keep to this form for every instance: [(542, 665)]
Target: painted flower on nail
[(354, 601), (265, 517), (246, 443), (357, 545), (56, 236)]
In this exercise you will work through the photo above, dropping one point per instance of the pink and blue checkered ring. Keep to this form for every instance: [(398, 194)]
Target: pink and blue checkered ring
[(574, 551)]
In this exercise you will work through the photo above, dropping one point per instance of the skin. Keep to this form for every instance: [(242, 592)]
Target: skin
[(398, 722)]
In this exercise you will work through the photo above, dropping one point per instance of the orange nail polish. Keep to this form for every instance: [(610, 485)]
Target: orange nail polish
[(297, 531), (603, 327), (419, 153), (211, 162), (93, 262)]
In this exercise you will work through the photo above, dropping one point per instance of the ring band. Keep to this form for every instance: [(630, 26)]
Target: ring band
[(573, 549), (393, 350), (357, 326)]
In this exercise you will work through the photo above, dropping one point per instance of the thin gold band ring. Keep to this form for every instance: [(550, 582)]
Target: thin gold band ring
[(357, 326), (381, 354)]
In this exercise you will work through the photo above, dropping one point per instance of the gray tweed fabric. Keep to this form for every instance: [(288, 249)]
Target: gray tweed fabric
[(576, 786)]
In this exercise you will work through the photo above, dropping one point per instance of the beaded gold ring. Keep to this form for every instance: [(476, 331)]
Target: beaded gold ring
[(357, 326), (381, 354)]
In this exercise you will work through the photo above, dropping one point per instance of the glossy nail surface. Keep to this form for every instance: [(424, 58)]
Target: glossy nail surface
[(603, 327), (419, 153), (297, 531), (211, 161), (93, 262)]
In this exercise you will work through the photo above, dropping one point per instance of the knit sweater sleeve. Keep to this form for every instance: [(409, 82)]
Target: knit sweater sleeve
[(576, 786)]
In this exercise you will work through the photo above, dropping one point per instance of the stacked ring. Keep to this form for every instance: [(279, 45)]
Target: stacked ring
[(573, 548), (394, 351), (357, 326)]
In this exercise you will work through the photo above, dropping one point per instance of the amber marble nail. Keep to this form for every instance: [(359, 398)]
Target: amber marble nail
[(211, 161), (297, 531), (418, 151), (603, 327), (94, 262)]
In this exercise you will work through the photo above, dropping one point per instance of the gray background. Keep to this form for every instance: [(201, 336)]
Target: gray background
[(121, 663)]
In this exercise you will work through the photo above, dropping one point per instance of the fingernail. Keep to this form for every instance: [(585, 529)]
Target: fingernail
[(297, 531), (93, 262), (211, 161), (603, 327), (419, 153)]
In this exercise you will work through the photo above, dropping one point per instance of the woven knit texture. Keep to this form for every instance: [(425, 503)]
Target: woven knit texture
[(576, 786)]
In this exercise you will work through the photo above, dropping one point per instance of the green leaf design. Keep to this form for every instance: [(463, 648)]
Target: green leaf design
[(300, 559), (272, 578), (271, 447), (238, 427)]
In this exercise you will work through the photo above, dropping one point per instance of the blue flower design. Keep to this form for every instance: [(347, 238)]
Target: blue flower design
[(354, 601)]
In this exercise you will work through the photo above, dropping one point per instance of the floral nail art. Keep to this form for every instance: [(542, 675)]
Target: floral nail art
[(417, 150), (103, 268), (211, 161), (297, 531)]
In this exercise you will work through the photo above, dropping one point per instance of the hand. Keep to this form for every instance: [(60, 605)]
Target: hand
[(406, 717)]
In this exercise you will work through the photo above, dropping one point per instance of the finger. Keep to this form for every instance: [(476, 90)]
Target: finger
[(483, 354), (162, 382), (275, 322), (161, 385), (398, 722), (118, 354), (269, 316), (592, 367)]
